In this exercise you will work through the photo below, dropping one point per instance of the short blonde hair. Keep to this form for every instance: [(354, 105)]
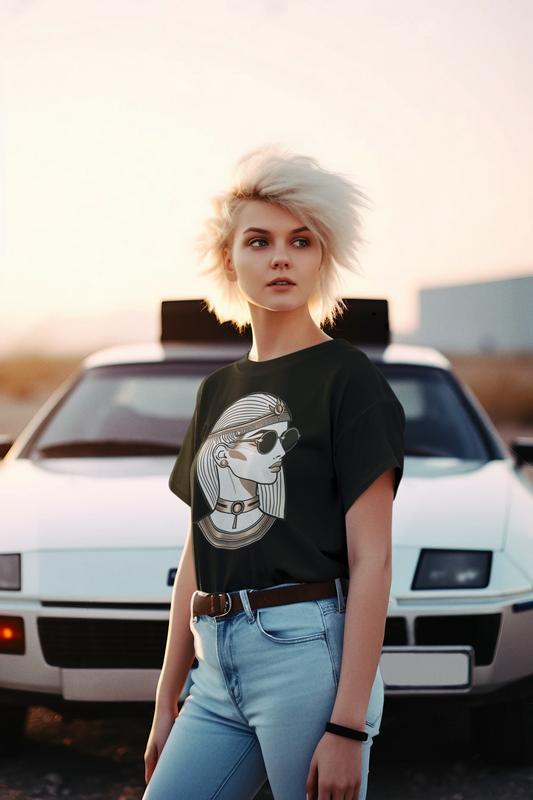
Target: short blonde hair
[(327, 203)]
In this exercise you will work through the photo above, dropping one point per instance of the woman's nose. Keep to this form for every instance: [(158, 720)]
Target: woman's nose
[(280, 261)]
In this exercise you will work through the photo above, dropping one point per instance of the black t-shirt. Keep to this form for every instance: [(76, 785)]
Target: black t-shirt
[(276, 454)]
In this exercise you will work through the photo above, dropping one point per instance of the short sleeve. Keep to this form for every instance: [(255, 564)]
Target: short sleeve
[(180, 477), (370, 447)]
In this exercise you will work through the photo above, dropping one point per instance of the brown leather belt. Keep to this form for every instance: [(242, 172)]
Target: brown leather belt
[(221, 604)]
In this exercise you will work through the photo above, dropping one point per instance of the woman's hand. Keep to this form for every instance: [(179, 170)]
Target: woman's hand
[(335, 772), (161, 727)]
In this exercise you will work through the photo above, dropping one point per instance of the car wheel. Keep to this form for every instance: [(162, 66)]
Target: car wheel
[(504, 732), (12, 720)]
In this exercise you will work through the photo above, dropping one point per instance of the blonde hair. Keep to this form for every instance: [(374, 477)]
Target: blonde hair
[(327, 203)]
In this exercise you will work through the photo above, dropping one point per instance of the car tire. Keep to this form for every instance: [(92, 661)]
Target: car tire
[(12, 721), (504, 732)]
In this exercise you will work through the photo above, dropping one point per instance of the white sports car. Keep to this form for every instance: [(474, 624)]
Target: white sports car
[(91, 537)]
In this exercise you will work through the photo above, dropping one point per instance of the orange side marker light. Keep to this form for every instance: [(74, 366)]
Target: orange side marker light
[(12, 639)]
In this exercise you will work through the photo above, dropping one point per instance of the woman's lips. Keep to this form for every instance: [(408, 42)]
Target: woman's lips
[(275, 467)]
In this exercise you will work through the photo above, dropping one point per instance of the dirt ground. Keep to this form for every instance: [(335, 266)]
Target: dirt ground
[(421, 754)]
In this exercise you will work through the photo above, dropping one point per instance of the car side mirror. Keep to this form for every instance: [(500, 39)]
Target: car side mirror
[(522, 447), (5, 444)]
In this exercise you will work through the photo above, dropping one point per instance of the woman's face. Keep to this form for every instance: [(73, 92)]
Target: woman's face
[(246, 460), (275, 259)]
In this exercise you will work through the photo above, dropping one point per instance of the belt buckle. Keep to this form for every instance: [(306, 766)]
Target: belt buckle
[(227, 605)]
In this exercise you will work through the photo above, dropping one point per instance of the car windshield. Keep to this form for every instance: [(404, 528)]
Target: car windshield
[(126, 410), (439, 420), (145, 409)]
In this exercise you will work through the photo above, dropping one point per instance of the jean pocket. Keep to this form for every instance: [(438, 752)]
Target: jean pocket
[(298, 622)]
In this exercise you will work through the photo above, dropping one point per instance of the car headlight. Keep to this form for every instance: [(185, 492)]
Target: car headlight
[(10, 571), (453, 569)]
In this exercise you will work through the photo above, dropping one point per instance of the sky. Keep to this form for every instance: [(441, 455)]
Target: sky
[(121, 118)]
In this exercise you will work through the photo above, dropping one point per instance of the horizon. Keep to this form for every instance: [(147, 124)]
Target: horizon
[(85, 334)]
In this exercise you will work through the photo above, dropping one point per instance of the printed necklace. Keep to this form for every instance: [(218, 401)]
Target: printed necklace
[(237, 507)]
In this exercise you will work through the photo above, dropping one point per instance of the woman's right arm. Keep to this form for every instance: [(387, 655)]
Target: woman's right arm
[(179, 655)]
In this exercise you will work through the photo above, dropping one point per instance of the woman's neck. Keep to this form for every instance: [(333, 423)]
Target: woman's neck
[(278, 333), (233, 488)]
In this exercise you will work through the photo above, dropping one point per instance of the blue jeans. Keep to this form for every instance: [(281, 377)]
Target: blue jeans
[(261, 695)]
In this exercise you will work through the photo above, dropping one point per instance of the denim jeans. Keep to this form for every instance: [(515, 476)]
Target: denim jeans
[(261, 695)]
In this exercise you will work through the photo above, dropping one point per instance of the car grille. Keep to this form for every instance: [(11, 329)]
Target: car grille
[(102, 643), (480, 631), (395, 631), (140, 644)]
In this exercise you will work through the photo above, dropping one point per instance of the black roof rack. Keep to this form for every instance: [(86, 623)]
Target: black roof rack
[(365, 322), (190, 321)]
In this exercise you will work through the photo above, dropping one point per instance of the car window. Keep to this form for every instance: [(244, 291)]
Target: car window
[(145, 409), (438, 418), (125, 410)]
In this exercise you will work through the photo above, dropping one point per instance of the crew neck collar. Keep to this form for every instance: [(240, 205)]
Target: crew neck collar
[(281, 362)]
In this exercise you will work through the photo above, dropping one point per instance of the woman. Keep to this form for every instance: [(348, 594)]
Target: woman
[(287, 684)]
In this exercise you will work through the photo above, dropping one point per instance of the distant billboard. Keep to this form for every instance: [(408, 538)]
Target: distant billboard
[(494, 316)]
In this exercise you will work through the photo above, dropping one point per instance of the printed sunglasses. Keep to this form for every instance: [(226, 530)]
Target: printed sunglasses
[(266, 443)]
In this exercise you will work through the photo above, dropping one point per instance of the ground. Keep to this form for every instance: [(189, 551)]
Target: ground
[(421, 754)]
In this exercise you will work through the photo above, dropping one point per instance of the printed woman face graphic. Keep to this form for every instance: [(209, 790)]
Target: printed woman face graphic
[(239, 469), (259, 455)]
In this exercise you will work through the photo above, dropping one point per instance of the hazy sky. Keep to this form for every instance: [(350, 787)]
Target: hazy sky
[(122, 117)]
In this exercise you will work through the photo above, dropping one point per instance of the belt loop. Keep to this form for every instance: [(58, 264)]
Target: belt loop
[(193, 615), (340, 596), (246, 606)]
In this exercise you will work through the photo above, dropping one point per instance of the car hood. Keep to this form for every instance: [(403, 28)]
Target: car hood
[(125, 502), (90, 503), (450, 503)]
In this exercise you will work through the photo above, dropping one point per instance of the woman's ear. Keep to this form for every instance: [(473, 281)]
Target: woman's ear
[(229, 269), (221, 455)]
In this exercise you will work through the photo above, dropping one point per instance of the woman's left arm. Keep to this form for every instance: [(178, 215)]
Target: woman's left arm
[(335, 772)]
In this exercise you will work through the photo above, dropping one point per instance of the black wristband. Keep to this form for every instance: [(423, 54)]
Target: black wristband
[(349, 733)]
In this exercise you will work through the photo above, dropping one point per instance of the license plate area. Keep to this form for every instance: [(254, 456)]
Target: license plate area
[(426, 669)]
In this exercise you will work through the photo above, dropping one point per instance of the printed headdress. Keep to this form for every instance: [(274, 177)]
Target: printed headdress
[(278, 413)]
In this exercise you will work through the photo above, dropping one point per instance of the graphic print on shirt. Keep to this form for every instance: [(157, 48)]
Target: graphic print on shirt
[(240, 470)]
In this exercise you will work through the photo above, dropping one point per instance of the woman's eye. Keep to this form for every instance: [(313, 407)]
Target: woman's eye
[(258, 242), (302, 242)]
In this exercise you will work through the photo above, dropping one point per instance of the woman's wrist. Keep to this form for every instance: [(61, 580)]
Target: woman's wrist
[(164, 712), (166, 706), (345, 732), (354, 718)]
